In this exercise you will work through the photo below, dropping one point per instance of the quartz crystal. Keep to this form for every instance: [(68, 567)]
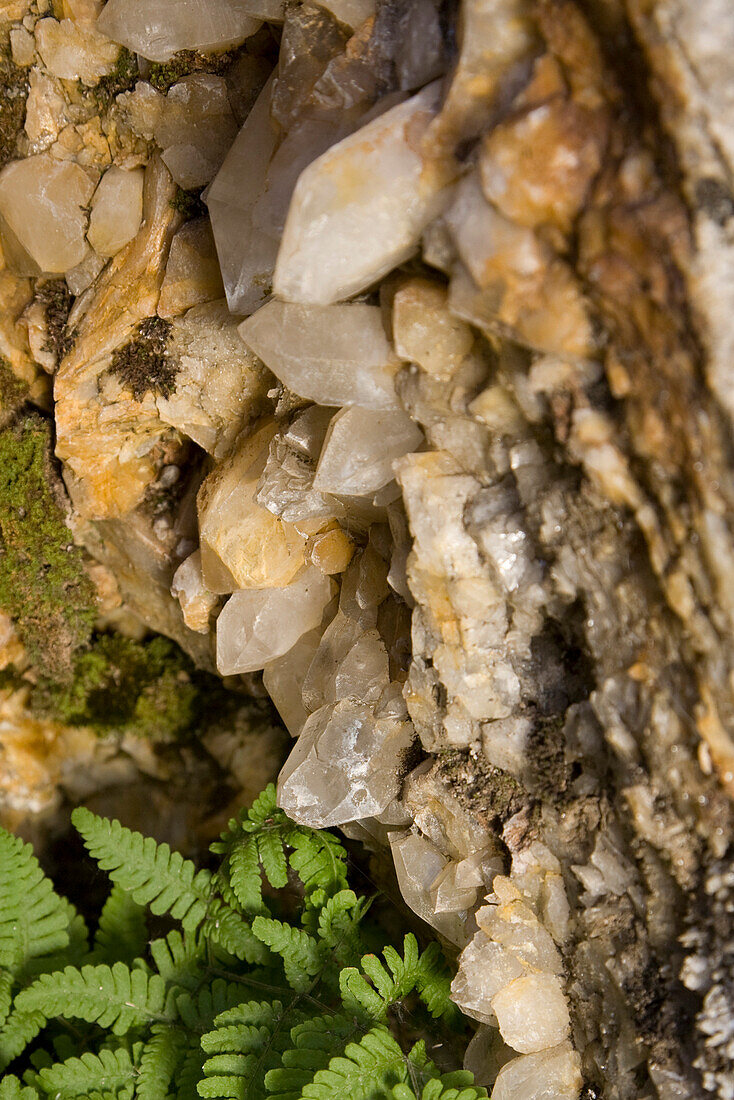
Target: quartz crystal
[(196, 129), (360, 448), (157, 29), (532, 1012), (359, 210), (336, 355), (42, 203), (283, 678), (197, 601), (554, 1074), (345, 764), (256, 626), (243, 545), (192, 271), (428, 417), (418, 864), (246, 254), (117, 210)]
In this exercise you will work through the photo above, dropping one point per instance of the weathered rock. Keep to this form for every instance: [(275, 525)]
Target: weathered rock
[(220, 387)]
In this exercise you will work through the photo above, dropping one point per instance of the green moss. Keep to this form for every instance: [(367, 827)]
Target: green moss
[(189, 203), (122, 79), (56, 300), (43, 585), (148, 688), (13, 391), (13, 96), (164, 74), (143, 364)]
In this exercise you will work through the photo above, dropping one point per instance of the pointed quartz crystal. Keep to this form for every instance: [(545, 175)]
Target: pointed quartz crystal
[(360, 448), (345, 765), (335, 355), (258, 625), (246, 253), (359, 210)]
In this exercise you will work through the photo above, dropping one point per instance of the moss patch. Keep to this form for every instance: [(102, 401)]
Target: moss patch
[(143, 364), (189, 203), (165, 73), (13, 391), (13, 96), (122, 79), (43, 585), (149, 688)]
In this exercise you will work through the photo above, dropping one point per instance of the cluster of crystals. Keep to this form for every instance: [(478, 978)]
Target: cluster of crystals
[(351, 461)]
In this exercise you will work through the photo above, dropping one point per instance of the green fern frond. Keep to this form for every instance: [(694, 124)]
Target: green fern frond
[(368, 1070), (272, 856), (433, 982), (320, 861), (198, 1011), (20, 1029), (451, 1086), (12, 1089), (6, 995), (244, 875), (247, 1042), (110, 1071), (153, 874), (264, 811), (301, 954), (228, 929), (116, 997), (122, 934), (188, 1075), (180, 959), (161, 1057), (339, 925), (313, 1044), (375, 986), (33, 918)]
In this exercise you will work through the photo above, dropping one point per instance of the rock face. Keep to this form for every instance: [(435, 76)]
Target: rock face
[(451, 465)]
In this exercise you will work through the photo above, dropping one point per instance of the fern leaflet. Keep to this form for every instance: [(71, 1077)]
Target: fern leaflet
[(378, 985), (247, 1041), (122, 933), (33, 918), (160, 1059), (301, 954), (20, 1029), (113, 997), (368, 1070), (110, 1071), (314, 1043), (451, 1086), (153, 874), (12, 1089)]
